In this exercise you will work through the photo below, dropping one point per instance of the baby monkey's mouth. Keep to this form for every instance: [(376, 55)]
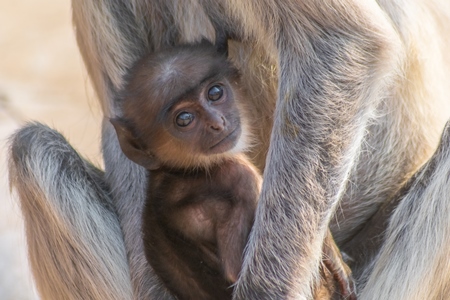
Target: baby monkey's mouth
[(228, 142)]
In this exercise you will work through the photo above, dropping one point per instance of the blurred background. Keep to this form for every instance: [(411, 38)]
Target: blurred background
[(42, 78)]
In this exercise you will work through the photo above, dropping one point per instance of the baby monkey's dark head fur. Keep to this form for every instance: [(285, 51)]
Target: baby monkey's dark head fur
[(181, 108)]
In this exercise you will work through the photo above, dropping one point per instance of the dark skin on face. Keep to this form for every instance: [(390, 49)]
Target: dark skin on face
[(182, 121), (179, 107)]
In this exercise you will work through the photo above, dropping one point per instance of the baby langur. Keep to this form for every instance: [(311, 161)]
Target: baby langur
[(184, 120)]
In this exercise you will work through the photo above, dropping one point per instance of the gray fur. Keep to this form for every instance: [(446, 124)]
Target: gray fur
[(73, 234), (416, 245)]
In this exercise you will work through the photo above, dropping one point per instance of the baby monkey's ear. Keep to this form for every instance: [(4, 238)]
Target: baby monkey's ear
[(132, 147)]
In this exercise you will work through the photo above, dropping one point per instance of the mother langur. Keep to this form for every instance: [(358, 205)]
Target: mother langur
[(349, 98)]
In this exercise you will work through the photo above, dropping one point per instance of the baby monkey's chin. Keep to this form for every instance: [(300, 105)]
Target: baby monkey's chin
[(227, 143)]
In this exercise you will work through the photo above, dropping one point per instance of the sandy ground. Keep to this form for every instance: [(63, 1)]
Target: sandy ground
[(41, 78)]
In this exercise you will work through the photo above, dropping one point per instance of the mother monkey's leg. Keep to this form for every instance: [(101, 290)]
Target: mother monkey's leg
[(75, 243)]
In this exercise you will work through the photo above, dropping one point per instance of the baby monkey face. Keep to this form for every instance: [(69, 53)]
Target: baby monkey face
[(182, 108), (205, 120)]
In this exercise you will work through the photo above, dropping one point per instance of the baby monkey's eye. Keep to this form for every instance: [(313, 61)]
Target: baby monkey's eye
[(184, 119), (215, 93)]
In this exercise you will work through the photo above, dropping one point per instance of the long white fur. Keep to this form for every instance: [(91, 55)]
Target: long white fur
[(73, 234), (414, 261)]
